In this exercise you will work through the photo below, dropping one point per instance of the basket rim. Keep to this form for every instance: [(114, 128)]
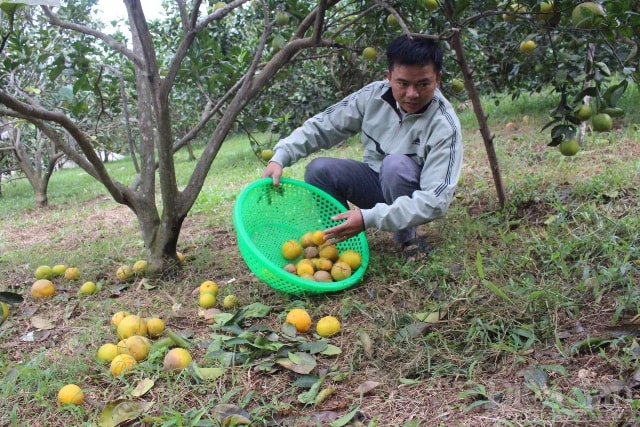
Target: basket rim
[(272, 267)]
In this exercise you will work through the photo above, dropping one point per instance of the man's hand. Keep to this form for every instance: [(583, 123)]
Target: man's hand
[(352, 225), (273, 170)]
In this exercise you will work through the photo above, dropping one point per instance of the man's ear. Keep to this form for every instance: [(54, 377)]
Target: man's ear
[(387, 73)]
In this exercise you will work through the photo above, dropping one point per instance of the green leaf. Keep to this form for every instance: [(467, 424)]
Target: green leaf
[(413, 330), (331, 350), (536, 375), (314, 347), (563, 132), (604, 68), (496, 290), (346, 419), (121, 411), (11, 298), (304, 363), (194, 371), (589, 344), (289, 330), (254, 310), (231, 415), (306, 381), (561, 77), (428, 317), (588, 91), (237, 341), (295, 358), (230, 358), (221, 319), (257, 310), (409, 381), (479, 266), (613, 94), (143, 387), (10, 9), (178, 339), (211, 373), (475, 404), (309, 396)]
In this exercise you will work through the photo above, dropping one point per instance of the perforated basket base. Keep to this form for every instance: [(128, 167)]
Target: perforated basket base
[(266, 216)]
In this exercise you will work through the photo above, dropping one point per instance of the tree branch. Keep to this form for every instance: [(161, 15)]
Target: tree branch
[(35, 115), (54, 20), (189, 37)]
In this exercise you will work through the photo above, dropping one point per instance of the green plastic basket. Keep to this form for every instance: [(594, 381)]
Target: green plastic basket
[(265, 217)]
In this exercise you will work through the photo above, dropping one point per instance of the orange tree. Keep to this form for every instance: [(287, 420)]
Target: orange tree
[(179, 82), (195, 76), (579, 50)]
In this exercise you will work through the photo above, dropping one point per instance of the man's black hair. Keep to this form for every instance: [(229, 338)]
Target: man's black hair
[(405, 50)]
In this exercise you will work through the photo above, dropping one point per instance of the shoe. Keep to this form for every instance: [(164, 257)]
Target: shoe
[(415, 249)]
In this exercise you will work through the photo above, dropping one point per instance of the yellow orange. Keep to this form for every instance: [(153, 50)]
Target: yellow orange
[(176, 359), (155, 327), (124, 273), (328, 326), (299, 318), (318, 237), (340, 271), (5, 311), (351, 257), (307, 239), (58, 269), (88, 288), (329, 252), (131, 325), (229, 302), (136, 346), (118, 316), (323, 264), (70, 394), (209, 286), (140, 266), (42, 288), (305, 267), (207, 300), (291, 249), (44, 272), (72, 273), (107, 352), (121, 364)]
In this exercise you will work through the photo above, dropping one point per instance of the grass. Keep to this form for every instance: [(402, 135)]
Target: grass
[(537, 303)]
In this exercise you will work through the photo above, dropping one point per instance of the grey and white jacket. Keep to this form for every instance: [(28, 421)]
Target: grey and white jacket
[(431, 137)]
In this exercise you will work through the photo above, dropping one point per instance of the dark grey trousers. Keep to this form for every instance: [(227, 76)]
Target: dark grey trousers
[(355, 182)]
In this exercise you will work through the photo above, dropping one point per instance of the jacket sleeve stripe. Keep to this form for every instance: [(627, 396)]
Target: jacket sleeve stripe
[(452, 152)]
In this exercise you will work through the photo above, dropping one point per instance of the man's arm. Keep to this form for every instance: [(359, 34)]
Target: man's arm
[(324, 130)]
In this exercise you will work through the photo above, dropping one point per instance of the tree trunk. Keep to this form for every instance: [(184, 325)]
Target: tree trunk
[(38, 178), (456, 44), (160, 223), (192, 156), (160, 234)]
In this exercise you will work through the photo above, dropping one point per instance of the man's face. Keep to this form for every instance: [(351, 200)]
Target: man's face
[(413, 86)]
